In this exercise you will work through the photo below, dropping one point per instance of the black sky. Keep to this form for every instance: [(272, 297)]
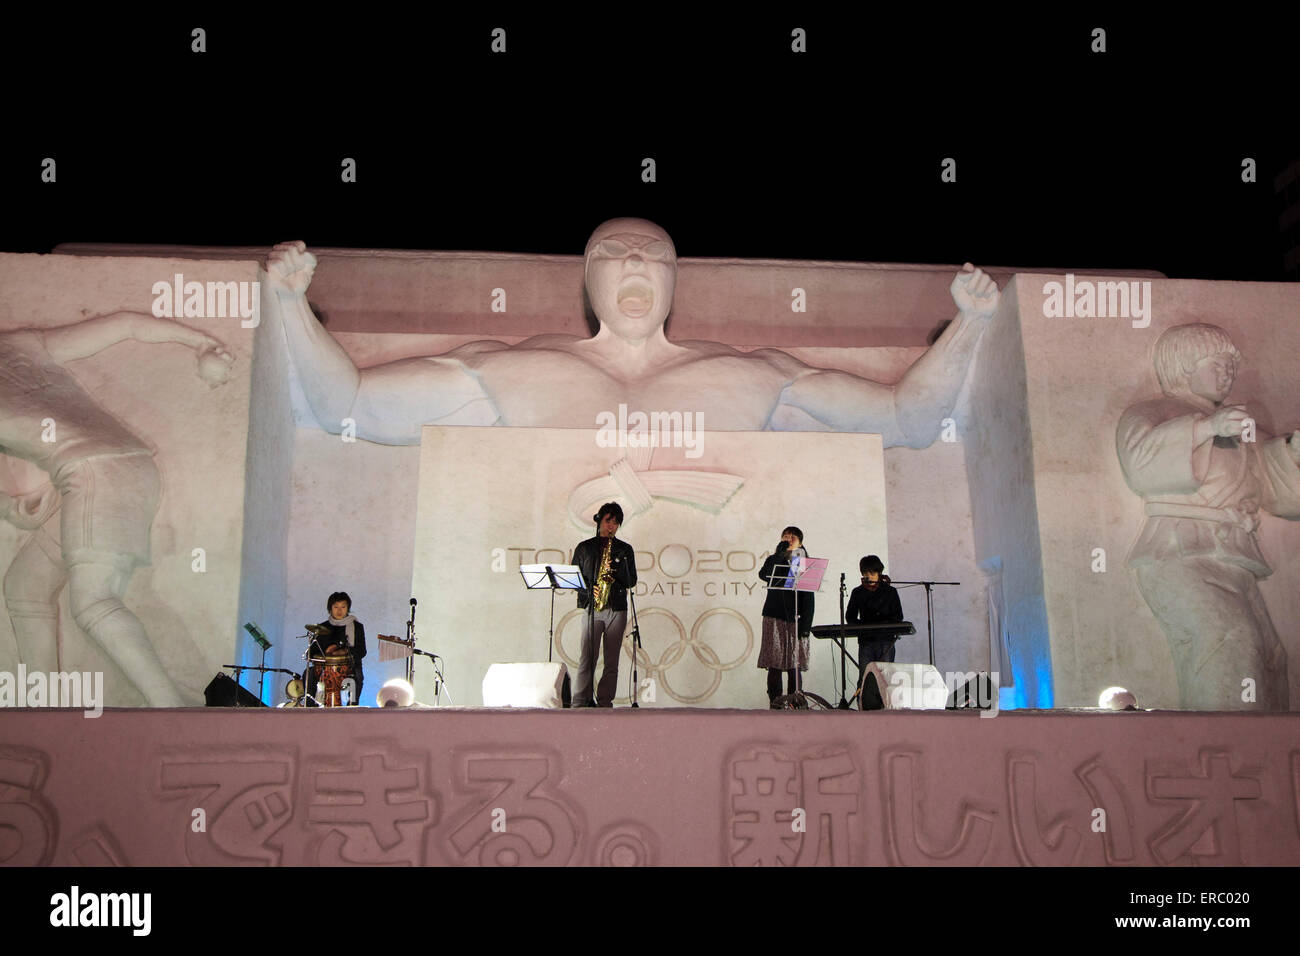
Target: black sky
[(1065, 158)]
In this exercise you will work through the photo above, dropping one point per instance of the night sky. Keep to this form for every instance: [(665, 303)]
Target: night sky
[(1065, 158)]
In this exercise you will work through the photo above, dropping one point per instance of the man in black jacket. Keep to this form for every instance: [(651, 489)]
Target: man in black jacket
[(875, 602), (605, 627)]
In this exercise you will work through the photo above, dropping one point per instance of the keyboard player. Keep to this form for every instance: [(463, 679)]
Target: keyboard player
[(874, 602)]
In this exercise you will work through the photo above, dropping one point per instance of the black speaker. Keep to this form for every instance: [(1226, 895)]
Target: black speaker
[(224, 692), (870, 699)]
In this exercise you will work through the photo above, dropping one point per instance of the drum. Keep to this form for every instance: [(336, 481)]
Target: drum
[(295, 693), (332, 670)]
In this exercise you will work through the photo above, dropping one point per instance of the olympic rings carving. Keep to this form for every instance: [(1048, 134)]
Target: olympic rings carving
[(660, 671), (749, 635), (704, 653)]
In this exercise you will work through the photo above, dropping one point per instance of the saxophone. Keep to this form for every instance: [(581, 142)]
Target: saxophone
[(604, 579)]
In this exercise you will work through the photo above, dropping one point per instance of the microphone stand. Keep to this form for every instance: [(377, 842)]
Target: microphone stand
[(798, 698), (410, 640), (440, 682), (591, 630), (929, 605), (635, 691), (636, 646), (844, 681)]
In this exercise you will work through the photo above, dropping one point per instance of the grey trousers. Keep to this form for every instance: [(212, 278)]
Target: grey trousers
[(603, 628)]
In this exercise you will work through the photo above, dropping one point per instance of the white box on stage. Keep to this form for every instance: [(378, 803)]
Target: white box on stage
[(888, 686), (524, 685)]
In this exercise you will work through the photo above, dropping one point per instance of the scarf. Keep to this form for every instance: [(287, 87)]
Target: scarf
[(346, 623)]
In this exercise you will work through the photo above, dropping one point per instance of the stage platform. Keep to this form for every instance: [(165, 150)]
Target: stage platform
[(215, 787)]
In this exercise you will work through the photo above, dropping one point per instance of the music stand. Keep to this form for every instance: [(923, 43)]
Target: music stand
[(804, 574), (553, 577), (265, 645)]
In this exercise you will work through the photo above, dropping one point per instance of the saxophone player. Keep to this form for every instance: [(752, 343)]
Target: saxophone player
[(608, 566)]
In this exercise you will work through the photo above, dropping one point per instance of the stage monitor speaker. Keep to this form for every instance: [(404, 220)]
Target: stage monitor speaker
[(224, 692), (888, 686), (526, 685), (979, 691)]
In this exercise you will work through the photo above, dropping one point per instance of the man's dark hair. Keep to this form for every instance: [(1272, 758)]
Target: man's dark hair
[(794, 531), (871, 563), (336, 597), (609, 508)]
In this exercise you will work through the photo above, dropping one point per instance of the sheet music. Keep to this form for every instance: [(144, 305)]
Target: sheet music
[(566, 575), (813, 571)]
